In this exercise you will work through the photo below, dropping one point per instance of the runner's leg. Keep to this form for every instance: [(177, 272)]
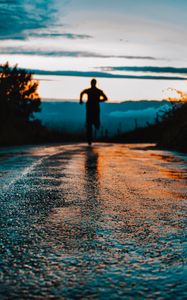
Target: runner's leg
[(89, 132)]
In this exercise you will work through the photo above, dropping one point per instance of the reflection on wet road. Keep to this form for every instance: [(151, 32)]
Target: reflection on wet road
[(106, 222)]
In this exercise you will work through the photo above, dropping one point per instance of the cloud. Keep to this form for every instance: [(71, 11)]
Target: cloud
[(71, 36), (169, 70), (54, 53), (20, 16), (103, 75), (36, 18), (57, 53), (136, 57)]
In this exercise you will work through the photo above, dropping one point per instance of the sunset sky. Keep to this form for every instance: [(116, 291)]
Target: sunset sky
[(136, 48)]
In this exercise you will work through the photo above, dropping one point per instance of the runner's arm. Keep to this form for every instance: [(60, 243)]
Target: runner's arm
[(81, 96), (103, 97)]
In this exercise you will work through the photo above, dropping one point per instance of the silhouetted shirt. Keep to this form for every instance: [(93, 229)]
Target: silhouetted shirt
[(95, 96)]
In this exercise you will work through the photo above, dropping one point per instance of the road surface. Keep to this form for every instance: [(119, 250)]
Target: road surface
[(106, 222)]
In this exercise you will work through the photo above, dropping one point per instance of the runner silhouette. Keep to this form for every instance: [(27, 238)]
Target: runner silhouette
[(94, 97)]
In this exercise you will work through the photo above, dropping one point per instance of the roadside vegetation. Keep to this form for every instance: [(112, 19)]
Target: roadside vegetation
[(168, 131), (19, 101)]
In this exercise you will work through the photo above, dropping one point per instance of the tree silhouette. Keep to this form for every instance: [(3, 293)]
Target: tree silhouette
[(19, 100), (18, 94)]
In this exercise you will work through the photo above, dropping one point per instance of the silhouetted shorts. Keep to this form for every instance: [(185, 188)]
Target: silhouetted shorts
[(93, 117)]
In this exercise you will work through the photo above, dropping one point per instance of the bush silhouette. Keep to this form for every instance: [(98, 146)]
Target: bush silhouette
[(174, 127), (19, 100)]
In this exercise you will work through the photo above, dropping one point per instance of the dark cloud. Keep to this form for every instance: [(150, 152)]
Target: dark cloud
[(19, 16), (71, 36), (102, 75), (135, 57), (169, 70), (21, 51), (55, 53)]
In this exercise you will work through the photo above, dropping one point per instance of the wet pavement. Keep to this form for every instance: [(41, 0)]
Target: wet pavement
[(106, 222)]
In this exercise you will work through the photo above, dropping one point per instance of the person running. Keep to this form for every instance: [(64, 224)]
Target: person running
[(94, 97)]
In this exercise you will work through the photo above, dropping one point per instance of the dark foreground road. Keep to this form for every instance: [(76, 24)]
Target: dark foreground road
[(106, 222)]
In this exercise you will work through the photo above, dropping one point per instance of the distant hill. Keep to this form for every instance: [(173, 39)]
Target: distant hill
[(115, 117)]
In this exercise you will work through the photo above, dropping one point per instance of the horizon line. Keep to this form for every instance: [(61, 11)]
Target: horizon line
[(109, 101)]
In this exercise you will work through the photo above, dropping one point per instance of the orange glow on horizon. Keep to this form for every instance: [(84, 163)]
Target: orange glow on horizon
[(182, 98)]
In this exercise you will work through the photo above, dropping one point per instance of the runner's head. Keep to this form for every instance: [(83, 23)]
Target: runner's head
[(93, 82)]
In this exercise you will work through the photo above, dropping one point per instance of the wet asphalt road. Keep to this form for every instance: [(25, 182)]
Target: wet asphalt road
[(106, 222)]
